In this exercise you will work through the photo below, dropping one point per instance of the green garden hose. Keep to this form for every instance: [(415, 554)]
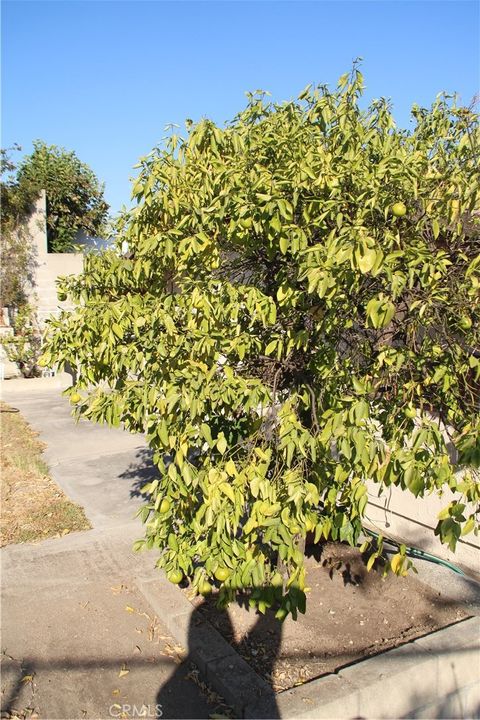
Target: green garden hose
[(420, 554)]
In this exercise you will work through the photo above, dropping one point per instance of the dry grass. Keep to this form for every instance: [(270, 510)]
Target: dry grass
[(33, 506)]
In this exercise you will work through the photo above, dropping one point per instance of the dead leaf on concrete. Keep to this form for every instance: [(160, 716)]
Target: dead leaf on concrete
[(124, 671), (176, 652)]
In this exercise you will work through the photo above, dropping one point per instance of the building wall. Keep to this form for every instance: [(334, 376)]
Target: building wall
[(398, 514), (49, 266), (46, 269)]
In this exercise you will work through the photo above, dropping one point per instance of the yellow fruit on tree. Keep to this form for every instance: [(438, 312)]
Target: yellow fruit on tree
[(410, 412), (75, 398), (205, 588), (176, 576), (165, 506), (399, 209), (465, 322), (221, 574)]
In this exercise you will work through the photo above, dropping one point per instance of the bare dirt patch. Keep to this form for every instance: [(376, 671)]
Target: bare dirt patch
[(33, 506), (351, 614)]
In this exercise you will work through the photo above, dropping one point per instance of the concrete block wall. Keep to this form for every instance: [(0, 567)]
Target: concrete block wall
[(49, 266)]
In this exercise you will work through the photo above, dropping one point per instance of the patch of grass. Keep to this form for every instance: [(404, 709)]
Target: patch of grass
[(33, 506)]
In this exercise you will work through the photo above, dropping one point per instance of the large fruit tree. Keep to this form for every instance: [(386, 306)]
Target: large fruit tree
[(291, 311)]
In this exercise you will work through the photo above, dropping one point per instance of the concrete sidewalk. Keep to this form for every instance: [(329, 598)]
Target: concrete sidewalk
[(79, 639), (100, 468)]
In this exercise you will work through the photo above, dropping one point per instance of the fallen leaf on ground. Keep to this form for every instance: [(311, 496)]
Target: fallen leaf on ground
[(124, 671)]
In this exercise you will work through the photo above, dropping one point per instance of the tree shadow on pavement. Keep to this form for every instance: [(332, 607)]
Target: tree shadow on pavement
[(140, 472), (245, 693)]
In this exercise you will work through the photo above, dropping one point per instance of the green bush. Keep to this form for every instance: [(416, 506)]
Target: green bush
[(24, 346)]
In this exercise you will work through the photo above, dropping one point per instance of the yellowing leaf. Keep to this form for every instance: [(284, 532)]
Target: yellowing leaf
[(117, 330), (230, 468), (469, 526), (228, 491), (275, 223), (380, 311), (366, 259), (396, 563), (221, 443)]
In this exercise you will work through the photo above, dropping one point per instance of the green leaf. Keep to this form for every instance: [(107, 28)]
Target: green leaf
[(275, 224), (380, 312), (118, 330), (163, 433), (305, 92)]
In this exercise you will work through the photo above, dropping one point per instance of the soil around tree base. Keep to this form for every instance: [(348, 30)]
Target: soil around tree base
[(351, 615)]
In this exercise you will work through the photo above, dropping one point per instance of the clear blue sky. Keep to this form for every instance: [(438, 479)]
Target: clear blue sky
[(104, 78)]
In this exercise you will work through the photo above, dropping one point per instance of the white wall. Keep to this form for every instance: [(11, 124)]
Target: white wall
[(49, 266), (399, 514)]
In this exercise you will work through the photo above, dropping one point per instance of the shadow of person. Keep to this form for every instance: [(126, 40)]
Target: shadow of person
[(220, 664)]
